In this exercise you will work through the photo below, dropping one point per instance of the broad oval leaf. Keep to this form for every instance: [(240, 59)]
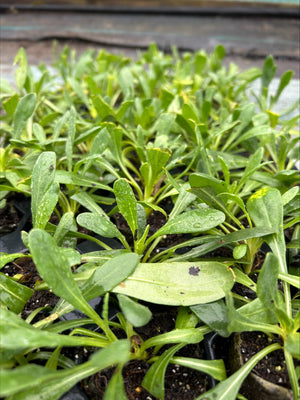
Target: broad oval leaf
[(178, 283), (135, 313), (99, 224), (194, 221)]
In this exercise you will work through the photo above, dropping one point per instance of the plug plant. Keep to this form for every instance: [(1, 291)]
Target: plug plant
[(101, 139)]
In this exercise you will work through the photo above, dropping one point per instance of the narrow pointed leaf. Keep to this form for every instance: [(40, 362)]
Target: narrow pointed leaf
[(215, 368), (55, 270), (24, 111), (18, 334), (154, 379), (115, 388), (63, 380), (12, 294), (126, 202), (228, 389), (44, 191)]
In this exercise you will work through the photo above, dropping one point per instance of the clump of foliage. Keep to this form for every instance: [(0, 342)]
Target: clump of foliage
[(102, 138)]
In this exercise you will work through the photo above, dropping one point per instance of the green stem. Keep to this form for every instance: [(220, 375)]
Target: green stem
[(292, 373)]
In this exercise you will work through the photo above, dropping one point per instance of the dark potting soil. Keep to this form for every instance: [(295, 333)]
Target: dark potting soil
[(272, 367)]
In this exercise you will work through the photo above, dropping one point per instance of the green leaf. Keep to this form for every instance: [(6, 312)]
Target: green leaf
[(54, 269), (291, 279), (178, 283), (187, 336), (44, 191), (202, 180), (240, 320), (267, 290), (99, 224), (135, 313), (292, 344), (127, 203), (239, 251), (185, 318), (12, 294), (102, 107), (265, 209), (10, 104), (71, 138), (214, 315), (115, 388), (7, 258), (228, 389), (183, 200), (284, 81), (268, 72), (24, 111), (154, 379), (109, 275), (22, 70), (152, 170), (65, 224), (21, 378), (87, 201), (194, 221), (16, 334), (53, 385), (215, 368)]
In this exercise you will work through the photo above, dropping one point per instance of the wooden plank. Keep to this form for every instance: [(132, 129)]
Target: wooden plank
[(255, 37), (288, 7)]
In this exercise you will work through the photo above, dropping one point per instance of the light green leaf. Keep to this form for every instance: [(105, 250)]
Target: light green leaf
[(202, 180), (127, 203), (64, 226), (99, 224), (55, 271), (194, 221), (178, 283), (6, 258), (215, 368), (24, 111), (44, 191), (22, 70), (135, 313), (154, 379), (12, 294), (228, 389), (21, 378), (115, 388), (53, 386), (16, 334), (87, 201), (109, 275)]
